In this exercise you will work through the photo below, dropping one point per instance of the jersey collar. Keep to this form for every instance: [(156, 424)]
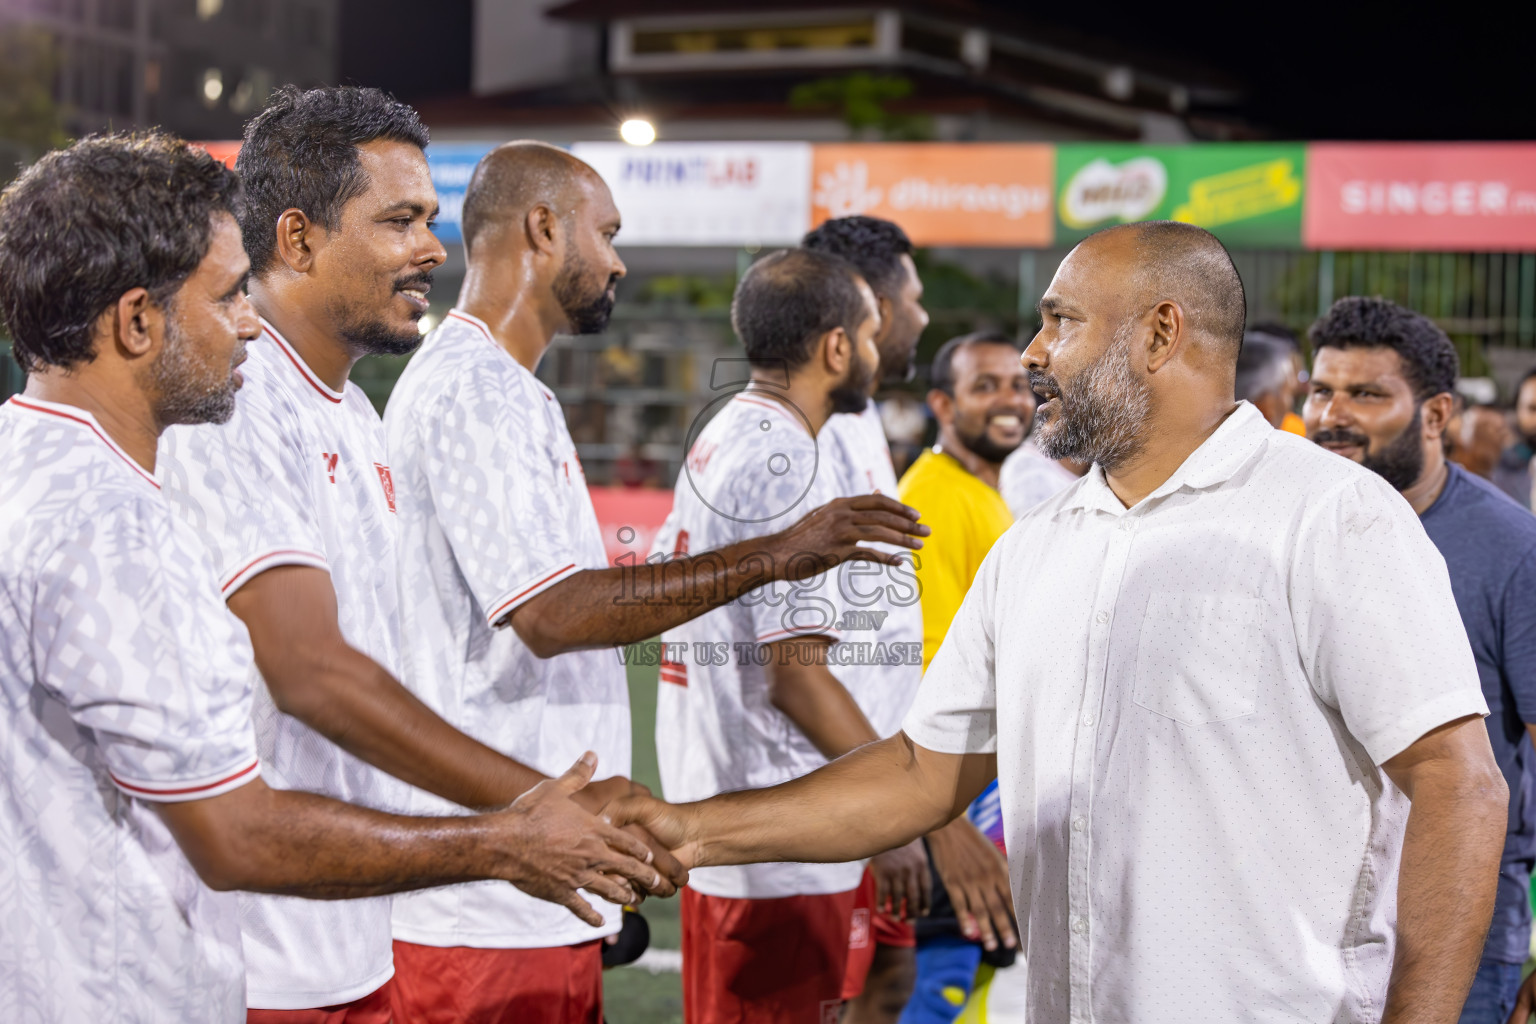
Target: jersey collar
[(286, 349), (77, 415), (1216, 461)]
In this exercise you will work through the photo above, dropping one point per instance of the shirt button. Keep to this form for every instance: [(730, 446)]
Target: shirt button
[(1101, 618), (1079, 823), (1080, 925), (1127, 525), (1088, 718)]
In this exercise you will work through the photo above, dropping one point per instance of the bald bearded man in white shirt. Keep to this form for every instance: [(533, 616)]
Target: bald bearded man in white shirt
[(1235, 720)]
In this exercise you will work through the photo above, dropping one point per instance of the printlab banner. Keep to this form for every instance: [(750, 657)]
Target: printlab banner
[(1393, 195), (971, 194), (706, 193), (1247, 194)]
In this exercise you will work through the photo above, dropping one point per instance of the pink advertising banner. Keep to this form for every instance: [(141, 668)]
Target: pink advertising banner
[(1437, 196)]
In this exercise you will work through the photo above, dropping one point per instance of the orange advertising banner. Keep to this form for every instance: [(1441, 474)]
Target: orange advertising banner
[(974, 193), (224, 151)]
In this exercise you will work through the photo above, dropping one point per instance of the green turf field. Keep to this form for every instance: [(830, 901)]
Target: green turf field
[(631, 995)]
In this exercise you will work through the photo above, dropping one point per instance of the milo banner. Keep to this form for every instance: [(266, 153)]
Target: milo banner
[(1247, 194)]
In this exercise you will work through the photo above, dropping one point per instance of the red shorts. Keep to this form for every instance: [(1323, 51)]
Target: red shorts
[(465, 985), (871, 928), (373, 1008), (776, 961)]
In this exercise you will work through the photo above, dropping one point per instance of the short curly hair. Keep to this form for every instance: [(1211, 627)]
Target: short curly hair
[(789, 299), (300, 153), (873, 245), (1429, 359), (85, 224)]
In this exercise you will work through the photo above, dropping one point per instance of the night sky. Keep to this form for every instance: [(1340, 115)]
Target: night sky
[(1341, 70)]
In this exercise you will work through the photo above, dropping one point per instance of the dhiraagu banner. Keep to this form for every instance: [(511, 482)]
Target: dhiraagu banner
[(1247, 193)]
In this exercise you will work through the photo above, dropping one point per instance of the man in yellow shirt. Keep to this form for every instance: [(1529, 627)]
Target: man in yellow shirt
[(981, 397)]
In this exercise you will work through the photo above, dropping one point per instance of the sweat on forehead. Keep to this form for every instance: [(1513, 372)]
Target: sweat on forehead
[(517, 176), (1185, 264)]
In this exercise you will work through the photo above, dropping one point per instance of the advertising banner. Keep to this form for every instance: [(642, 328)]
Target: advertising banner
[(630, 518), (706, 193), (452, 164), (1247, 194), (974, 194), (1468, 196)]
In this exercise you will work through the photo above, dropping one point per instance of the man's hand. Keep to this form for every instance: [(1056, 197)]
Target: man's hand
[(903, 888), (597, 795), (553, 848), (831, 535), (668, 824), (976, 875)]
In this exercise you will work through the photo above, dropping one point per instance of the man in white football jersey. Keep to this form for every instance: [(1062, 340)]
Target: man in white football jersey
[(130, 787), (296, 498), (782, 693), (881, 963), (964, 859), (511, 609)]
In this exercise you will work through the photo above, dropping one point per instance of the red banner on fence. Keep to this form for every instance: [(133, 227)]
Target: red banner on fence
[(629, 518), (1467, 196)]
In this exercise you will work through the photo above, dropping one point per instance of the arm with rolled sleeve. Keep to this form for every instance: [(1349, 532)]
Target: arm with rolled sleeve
[(1382, 641)]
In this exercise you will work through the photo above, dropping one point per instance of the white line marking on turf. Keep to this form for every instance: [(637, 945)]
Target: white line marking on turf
[(660, 961)]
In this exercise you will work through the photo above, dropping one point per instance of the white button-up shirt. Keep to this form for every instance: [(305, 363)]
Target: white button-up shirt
[(1189, 701)]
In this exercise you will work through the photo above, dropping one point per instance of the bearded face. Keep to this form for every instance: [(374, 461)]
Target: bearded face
[(1097, 415), (193, 389)]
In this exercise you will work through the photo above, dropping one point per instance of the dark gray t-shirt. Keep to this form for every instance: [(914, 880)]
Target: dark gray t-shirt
[(1489, 545)]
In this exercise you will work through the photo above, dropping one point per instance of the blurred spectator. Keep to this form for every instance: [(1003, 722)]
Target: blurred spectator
[(1266, 376), (634, 470), (1481, 440), (1514, 472), (1382, 394), (1296, 382)]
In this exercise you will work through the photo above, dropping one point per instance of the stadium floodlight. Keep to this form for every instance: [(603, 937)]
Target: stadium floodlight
[(637, 131)]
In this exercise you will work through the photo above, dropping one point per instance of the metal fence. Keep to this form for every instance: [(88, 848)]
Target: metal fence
[(1485, 301)]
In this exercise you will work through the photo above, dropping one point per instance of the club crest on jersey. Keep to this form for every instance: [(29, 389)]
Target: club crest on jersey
[(387, 482), (330, 459)]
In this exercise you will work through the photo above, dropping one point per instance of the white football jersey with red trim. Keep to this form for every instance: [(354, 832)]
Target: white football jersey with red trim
[(299, 476), (124, 681), (886, 609), (753, 470), (494, 510)]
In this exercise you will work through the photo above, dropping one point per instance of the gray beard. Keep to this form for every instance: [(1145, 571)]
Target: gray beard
[(1100, 415), (182, 398)]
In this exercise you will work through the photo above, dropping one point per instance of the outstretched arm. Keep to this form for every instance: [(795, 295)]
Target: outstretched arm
[(314, 675), (880, 796), (605, 607), (1450, 869), (300, 844)]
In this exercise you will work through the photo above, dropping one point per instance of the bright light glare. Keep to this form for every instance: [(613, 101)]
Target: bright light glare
[(426, 323), (213, 85), (637, 132)]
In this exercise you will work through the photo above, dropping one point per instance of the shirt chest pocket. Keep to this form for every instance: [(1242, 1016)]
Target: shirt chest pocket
[(1199, 657)]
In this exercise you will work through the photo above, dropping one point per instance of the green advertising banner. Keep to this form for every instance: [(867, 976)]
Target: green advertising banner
[(1246, 193)]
